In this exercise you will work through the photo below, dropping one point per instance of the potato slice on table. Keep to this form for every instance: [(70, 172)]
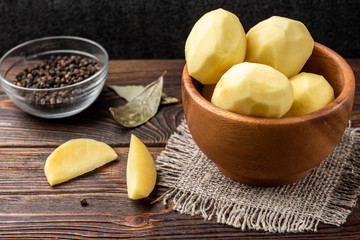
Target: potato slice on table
[(140, 170), (76, 157)]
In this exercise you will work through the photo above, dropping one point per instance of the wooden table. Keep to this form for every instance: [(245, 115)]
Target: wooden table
[(30, 208)]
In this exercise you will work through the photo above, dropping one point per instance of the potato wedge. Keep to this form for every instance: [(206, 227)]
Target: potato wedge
[(140, 170), (76, 157)]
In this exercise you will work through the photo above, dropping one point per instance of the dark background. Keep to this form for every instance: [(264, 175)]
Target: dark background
[(149, 29)]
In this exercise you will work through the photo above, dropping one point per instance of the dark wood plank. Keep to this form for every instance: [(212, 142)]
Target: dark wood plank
[(355, 65), (20, 129), (30, 208)]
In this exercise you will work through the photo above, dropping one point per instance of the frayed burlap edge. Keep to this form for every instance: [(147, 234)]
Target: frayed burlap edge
[(344, 196), (173, 161)]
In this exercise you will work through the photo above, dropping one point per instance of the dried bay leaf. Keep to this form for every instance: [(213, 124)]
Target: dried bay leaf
[(129, 92), (142, 107), (165, 99)]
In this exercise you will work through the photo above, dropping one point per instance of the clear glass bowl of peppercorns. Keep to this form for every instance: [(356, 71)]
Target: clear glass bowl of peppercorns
[(54, 77)]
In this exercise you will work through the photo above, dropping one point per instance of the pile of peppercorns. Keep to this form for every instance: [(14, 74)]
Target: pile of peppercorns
[(58, 71)]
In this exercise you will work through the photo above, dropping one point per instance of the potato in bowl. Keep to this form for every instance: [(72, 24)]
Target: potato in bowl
[(271, 151)]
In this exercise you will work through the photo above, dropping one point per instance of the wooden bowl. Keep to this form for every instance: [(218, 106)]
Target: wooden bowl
[(267, 151)]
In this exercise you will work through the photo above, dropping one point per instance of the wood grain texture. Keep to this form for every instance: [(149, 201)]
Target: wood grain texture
[(31, 209), (18, 128), (355, 116)]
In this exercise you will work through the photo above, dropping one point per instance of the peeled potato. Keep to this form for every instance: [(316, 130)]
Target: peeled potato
[(281, 43), (140, 170), (76, 157), (311, 92), (255, 90), (216, 42)]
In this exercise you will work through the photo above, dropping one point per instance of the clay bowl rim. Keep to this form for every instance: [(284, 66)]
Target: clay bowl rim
[(345, 94)]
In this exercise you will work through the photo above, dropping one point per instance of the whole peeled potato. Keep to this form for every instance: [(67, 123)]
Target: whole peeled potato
[(254, 89), (216, 42), (311, 92), (281, 43)]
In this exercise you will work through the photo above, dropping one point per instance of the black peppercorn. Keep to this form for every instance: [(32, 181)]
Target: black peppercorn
[(58, 71), (69, 70), (84, 202)]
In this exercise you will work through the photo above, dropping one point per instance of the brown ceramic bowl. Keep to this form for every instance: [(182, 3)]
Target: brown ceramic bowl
[(266, 151)]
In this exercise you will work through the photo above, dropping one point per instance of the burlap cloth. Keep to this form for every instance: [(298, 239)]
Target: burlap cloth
[(326, 195)]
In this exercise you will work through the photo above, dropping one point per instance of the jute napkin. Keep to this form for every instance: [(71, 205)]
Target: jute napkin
[(196, 187)]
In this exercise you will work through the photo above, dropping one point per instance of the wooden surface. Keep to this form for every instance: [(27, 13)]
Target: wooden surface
[(30, 208)]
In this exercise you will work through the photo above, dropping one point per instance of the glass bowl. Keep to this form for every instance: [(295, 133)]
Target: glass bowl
[(57, 102)]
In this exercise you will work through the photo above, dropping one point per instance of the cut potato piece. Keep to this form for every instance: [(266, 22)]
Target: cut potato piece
[(140, 170), (255, 90), (311, 92), (216, 42), (281, 43), (76, 157)]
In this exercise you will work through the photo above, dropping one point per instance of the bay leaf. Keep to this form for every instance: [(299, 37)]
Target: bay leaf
[(165, 99), (141, 108), (129, 92)]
